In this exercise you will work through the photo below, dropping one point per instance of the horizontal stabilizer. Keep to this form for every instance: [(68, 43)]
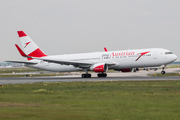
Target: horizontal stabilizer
[(24, 62)]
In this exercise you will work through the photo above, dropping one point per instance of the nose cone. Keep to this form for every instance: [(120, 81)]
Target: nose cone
[(173, 57)]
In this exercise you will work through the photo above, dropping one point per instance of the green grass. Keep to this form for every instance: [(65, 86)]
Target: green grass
[(114, 100), (173, 66), (164, 75)]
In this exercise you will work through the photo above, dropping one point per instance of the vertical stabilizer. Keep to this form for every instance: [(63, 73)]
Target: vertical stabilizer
[(30, 48)]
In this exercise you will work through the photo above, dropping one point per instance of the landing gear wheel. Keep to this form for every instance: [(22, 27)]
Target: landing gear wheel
[(102, 75), (86, 75), (83, 75), (163, 72)]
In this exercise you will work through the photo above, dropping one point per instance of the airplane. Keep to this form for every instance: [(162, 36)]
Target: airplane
[(99, 62)]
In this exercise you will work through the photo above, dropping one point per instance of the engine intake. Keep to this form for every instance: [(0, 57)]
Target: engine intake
[(99, 67)]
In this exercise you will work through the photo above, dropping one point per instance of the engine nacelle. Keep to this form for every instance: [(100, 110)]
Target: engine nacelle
[(124, 70), (99, 67)]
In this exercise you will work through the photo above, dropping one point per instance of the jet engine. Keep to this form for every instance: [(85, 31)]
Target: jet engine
[(99, 67)]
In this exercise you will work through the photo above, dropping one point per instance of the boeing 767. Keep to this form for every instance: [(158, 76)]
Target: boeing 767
[(99, 62)]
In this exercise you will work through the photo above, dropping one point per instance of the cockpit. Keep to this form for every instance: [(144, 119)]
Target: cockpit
[(166, 53)]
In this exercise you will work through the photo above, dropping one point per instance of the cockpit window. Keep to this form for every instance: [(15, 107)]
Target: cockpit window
[(168, 53)]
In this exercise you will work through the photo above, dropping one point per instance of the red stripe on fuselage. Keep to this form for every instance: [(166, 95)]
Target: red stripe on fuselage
[(138, 58), (142, 55)]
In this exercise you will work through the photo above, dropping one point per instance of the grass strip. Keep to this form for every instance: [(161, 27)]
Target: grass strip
[(113, 100)]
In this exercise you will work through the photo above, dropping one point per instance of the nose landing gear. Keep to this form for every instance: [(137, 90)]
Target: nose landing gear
[(163, 72)]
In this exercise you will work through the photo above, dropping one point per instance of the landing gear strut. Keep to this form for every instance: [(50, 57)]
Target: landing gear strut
[(163, 72), (102, 75)]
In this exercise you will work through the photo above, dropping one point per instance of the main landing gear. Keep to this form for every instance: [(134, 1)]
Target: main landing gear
[(102, 75), (89, 75), (86, 75)]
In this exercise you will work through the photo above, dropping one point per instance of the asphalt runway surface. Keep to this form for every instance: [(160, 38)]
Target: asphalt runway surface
[(138, 76), (74, 79)]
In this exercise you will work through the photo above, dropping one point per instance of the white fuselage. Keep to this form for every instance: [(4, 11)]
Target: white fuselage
[(121, 59)]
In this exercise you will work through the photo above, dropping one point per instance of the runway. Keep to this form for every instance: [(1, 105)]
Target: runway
[(75, 79), (138, 76)]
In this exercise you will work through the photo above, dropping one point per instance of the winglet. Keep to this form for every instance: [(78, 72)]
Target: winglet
[(20, 51), (105, 49)]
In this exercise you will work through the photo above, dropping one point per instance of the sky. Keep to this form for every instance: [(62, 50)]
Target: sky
[(79, 26)]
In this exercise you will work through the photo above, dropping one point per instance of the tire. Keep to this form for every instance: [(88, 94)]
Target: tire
[(86, 75), (102, 75), (163, 72), (83, 75), (105, 75)]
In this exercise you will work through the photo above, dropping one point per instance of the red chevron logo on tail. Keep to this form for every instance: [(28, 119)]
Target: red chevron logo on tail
[(26, 44)]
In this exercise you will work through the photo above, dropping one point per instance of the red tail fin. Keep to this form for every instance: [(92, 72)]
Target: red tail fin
[(30, 48)]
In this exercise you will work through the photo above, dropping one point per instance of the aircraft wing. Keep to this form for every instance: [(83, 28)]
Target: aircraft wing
[(28, 63), (80, 64)]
